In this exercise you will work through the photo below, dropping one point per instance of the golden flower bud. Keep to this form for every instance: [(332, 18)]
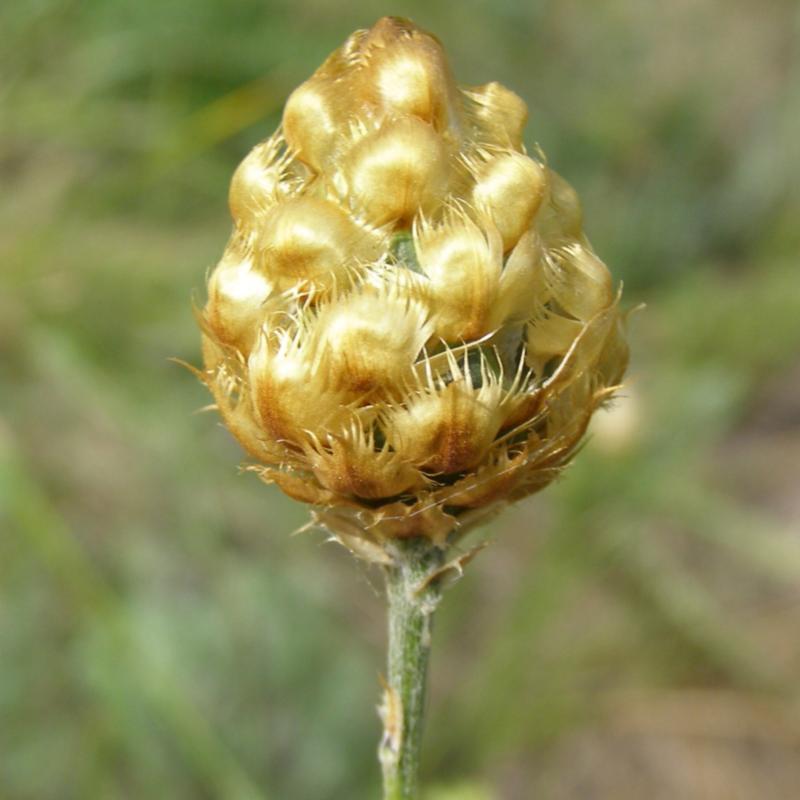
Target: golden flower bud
[(409, 326)]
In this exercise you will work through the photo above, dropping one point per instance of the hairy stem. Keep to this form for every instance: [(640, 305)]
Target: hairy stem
[(413, 591)]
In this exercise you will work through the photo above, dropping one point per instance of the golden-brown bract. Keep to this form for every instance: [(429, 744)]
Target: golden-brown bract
[(408, 327)]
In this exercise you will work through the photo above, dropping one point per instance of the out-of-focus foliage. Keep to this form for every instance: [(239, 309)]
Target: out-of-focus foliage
[(632, 631)]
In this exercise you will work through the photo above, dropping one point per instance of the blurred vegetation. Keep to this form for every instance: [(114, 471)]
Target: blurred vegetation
[(633, 631)]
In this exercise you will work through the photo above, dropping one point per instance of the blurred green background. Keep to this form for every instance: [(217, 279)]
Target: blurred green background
[(632, 633)]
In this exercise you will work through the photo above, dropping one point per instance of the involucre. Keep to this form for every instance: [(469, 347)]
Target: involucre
[(408, 327)]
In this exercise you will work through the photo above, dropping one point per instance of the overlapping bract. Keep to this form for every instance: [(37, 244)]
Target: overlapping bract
[(408, 327)]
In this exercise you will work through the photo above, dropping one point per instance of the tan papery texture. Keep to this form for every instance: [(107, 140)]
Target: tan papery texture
[(408, 327)]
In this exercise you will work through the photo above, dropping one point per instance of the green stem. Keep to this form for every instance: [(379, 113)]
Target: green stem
[(413, 590)]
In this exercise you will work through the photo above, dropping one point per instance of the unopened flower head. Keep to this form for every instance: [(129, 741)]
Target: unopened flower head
[(408, 327)]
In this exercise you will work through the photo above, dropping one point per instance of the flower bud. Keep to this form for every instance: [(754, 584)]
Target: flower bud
[(409, 327)]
